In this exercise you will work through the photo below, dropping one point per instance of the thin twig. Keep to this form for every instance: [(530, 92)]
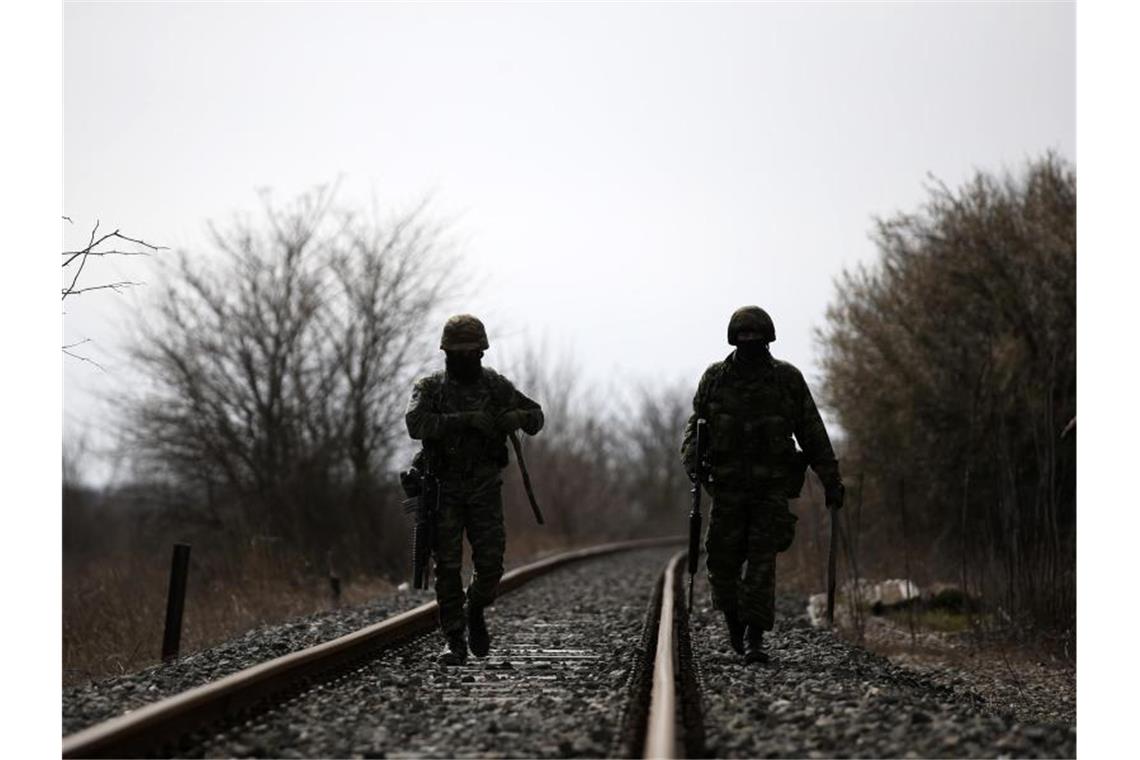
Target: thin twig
[(115, 286), (84, 359), (107, 253)]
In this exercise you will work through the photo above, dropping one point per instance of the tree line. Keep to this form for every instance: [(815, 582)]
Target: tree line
[(950, 363)]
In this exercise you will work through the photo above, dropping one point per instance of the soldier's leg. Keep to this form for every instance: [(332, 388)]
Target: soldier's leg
[(485, 533), (758, 588), (449, 565), (726, 546), (488, 541)]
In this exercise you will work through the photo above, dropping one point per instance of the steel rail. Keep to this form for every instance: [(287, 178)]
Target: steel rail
[(169, 718), (661, 736)]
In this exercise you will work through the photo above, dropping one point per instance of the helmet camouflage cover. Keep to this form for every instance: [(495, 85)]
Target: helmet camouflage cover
[(750, 323), (463, 332)]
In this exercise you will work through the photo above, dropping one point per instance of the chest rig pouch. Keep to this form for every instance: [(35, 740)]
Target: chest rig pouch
[(751, 416), (469, 450)]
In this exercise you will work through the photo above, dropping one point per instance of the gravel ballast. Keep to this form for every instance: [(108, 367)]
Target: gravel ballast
[(554, 685), (820, 696), (95, 701)]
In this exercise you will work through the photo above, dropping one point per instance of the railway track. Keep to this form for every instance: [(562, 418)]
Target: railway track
[(564, 668), (592, 657)]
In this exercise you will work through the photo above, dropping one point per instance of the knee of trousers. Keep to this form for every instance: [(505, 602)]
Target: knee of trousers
[(448, 577), (487, 559), (488, 562), (485, 579), (487, 576), (727, 538), (724, 565), (723, 582)]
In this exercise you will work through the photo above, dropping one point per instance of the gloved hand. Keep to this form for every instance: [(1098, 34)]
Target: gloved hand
[(509, 421), (833, 494), (481, 421)]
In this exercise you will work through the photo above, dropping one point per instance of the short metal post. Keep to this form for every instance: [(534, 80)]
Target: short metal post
[(334, 584), (175, 599)]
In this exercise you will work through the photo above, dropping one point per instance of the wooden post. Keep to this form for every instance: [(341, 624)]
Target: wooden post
[(175, 599), (334, 577)]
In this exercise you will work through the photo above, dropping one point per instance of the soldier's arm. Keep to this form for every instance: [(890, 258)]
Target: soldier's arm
[(528, 412), (689, 441), (423, 422), (813, 438)]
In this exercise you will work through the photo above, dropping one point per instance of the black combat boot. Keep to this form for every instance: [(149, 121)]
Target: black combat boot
[(754, 646), (477, 630), (735, 631), (456, 652)]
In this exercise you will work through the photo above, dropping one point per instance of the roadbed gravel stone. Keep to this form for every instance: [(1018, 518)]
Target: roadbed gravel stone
[(821, 696), (554, 684), (95, 701)]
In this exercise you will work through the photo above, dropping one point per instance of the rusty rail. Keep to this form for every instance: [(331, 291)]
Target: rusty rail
[(174, 716), (661, 736)]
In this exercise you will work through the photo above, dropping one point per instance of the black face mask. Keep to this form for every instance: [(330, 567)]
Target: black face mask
[(752, 352), (464, 366)]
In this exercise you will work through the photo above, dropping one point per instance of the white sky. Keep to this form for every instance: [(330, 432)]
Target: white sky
[(619, 177)]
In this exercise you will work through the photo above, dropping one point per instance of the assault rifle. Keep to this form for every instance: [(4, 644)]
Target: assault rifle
[(700, 477), (421, 486)]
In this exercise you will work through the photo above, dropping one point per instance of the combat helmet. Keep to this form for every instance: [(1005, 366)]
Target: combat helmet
[(463, 332), (750, 323)]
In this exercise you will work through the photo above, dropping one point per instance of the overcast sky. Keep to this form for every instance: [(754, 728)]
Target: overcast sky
[(619, 178)]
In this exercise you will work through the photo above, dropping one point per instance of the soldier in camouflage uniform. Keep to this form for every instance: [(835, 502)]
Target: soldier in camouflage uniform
[(754, 405), (463, 415)]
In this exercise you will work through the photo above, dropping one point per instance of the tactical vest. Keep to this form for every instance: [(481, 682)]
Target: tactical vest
[(468, 451), (751, 418)]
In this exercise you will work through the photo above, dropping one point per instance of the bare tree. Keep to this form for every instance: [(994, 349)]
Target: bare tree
[(657, 487), (607, 464), (277, 374), (384, 287)]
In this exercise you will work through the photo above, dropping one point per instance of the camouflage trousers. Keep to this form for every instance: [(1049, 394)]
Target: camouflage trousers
[(477, 510), (747, 528)]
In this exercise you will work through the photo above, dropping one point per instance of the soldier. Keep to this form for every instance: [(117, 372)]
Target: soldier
[(463, 415), (753, 405)]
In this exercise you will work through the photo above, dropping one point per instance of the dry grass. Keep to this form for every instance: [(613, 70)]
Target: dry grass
[(114, 608)]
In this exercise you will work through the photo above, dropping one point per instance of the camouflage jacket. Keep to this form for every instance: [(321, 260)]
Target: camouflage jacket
[(752, 414), (456, 449)]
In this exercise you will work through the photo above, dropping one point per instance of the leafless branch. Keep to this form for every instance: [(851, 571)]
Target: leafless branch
[(118, 287), (83, 358), (91, 249), (108, 253)]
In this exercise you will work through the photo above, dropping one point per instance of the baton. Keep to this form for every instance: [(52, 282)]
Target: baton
[(526, 477)]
